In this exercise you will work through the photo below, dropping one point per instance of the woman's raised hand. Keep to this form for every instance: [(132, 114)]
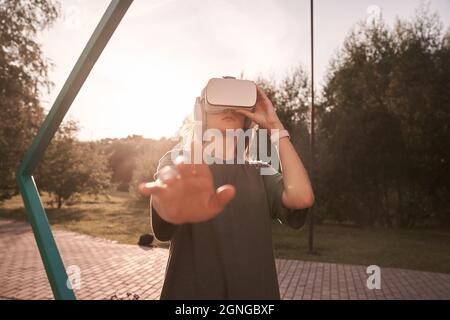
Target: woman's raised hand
[(264, 115), (188, 196)]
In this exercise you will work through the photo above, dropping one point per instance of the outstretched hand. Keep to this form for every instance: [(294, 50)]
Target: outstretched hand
[(189, 196)]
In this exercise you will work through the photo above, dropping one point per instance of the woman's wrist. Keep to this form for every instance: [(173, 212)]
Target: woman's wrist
[(274, 127)]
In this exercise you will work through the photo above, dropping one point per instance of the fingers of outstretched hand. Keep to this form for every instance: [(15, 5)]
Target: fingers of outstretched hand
[(221, 198), (151, 188), (167, 173)]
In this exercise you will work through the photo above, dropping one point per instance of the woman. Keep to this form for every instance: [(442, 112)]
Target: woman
[(217, 217)]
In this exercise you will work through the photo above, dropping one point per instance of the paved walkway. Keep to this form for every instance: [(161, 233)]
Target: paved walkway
[(108, 268)]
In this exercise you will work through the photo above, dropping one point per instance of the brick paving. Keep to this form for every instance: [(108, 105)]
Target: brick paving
[(109, 268)]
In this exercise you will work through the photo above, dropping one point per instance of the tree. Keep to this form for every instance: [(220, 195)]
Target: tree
[(147, 161), (419, 96), (122, 161), (70, 166), (23, 74), (384, 122)]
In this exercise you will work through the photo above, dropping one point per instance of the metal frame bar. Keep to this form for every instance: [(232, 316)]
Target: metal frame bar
[(48, 249)]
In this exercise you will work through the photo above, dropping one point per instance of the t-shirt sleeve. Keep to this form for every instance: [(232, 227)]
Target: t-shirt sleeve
[(161, 229), (294, 218)]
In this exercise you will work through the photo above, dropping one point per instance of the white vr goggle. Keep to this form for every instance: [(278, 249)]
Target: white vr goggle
[(225, 93)]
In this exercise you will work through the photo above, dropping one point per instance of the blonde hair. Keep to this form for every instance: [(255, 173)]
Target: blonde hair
[(187, 134)]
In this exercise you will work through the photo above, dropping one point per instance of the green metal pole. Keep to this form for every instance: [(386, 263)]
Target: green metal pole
[(51, 258)]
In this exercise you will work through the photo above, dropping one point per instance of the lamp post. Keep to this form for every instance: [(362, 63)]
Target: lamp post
[(312, 137)]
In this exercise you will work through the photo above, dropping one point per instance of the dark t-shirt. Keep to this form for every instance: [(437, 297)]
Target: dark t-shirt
[(229, 256)]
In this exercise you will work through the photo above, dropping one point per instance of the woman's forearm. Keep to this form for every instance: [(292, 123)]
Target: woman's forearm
[(298, 191)]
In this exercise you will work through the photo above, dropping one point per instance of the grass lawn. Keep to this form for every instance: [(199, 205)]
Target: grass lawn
[(427, 250), (116, 218), (120, 219)]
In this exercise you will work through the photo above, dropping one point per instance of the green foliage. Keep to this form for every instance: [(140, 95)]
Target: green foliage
[(384, 125), (23, 74), (122, 155), (70, 167), (147, 163), (127, 155)]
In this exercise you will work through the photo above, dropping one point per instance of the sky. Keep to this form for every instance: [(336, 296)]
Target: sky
[(164, 52)]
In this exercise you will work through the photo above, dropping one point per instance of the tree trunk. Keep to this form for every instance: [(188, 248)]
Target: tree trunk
[(387, 213), (399, 204), (59, 202)]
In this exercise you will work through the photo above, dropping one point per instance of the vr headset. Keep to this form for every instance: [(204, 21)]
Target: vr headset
[(225, 93)]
